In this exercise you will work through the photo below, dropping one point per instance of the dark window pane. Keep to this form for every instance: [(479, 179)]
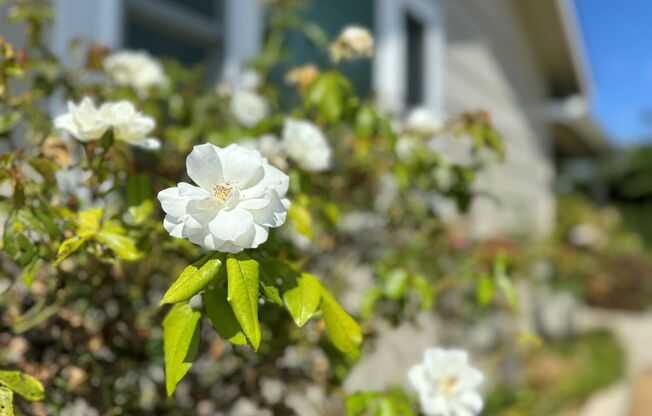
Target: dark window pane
[(209, 8), (414, 62), (140, 35)]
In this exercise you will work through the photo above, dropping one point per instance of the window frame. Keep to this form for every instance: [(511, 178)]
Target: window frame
[(389, 72)]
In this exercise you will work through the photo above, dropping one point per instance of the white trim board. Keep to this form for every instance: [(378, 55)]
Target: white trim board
[(389, 72)]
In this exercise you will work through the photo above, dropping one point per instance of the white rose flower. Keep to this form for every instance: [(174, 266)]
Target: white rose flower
[(306, 145), (447, 384), (134, 68), (248, 108), (129, 124), (83, 120), (86, 122), (423, 120), (354, 42), (239, 197)]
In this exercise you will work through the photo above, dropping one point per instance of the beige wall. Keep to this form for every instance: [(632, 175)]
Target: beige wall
[(489, 65)]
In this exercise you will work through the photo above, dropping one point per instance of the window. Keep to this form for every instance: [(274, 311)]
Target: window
[(414, 82), (220, 33), (408, 65), (189, 31)]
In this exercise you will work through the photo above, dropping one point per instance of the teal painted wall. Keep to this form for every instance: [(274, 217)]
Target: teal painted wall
[(333, 16)]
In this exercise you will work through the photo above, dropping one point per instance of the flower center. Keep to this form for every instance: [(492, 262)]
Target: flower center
[(448, 384), (223, 189)]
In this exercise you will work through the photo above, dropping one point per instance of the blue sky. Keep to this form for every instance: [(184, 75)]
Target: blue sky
[(618, 34)]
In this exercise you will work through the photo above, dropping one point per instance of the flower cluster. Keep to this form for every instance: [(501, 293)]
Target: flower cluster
[(302, 142), (239, 197), (354, 42), (134, 68), (447, 384), (87, 122)]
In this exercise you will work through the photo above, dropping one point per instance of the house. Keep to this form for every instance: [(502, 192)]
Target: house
[(522, 60)]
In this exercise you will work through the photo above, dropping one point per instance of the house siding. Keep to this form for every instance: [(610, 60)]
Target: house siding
[(489, 65)]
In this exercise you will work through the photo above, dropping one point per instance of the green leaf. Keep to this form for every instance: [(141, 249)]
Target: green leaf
[(193, 279), (505, 285), (329, 93), (485, 289), (243, 294), (503, 282), (180, 343), (113, 236), (368, 301), (221, 315), (139, 190), (303, 300), (396, 284), (300, 216), (24, 384), (269, 273), (67, 247), (29, 272), (6, 402), (425, 292), (342, 329), (140, 212), (88, 222)]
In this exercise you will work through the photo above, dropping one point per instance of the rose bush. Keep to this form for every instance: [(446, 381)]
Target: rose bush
[(114, 271)]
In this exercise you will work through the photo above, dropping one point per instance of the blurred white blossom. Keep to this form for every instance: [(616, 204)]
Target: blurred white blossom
[(423, 120), (128, 124), (586, 235), (248, 108), (134, 68), (83, 120), (306, 145), (87, 122), (79, 407), (246, 407), (240, 195), (353, 42), (247, 80), (406, 146), (447, 384)]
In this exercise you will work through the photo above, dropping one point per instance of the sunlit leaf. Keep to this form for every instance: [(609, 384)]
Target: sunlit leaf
[(342, 329), (23, 384), (484, 291), (300, 216), (181, 329), (88, 222), (113, 235), (193, 279), (67, 247), (6, 402), (302, 301), (269, 273), (243, 294), (221, 315)]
